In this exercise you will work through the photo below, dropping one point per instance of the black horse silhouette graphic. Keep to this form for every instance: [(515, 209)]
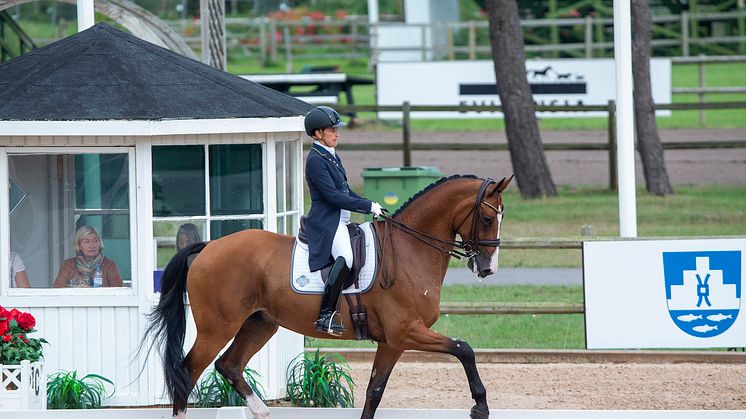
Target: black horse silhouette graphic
[(543, 72)]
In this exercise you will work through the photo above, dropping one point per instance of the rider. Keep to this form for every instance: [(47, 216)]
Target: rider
[(331, 204)]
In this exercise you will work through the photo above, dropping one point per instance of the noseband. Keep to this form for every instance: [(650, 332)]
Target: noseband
[(468, 249)]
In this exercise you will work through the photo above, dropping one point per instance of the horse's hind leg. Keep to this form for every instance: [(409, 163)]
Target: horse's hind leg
[(254, 333), (384, 362), (422, 338)]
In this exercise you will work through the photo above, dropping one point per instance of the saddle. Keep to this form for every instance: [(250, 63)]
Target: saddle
[(357, 240)]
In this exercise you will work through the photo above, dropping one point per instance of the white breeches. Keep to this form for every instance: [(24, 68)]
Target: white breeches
[(341, 245)]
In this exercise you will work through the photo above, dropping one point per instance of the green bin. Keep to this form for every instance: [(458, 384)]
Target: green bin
[(393, 186)]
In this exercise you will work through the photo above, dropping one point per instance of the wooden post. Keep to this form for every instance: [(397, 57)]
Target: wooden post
[(449, 42), (423, 40), (701, 95), (554, 38), (472, 40), (612, 145), (741, 22), (288, 49), (263, 43), (589, 36), (272, 40), (685, 33), (406, 132)]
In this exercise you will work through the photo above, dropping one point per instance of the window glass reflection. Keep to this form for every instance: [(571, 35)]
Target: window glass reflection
[(70, 220)]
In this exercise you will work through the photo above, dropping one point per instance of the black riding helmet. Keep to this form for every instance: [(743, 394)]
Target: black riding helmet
[(322, 117)]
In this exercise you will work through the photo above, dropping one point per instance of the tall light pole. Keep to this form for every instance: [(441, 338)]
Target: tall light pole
[(85, 15), (625, 119)]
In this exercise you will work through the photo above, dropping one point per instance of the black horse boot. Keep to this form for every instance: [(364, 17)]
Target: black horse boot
[(332, 289)]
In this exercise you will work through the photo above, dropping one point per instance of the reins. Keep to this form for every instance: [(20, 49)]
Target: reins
[(468, 248)]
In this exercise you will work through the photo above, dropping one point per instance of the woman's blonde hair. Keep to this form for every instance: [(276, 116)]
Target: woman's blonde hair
[(84, 231)]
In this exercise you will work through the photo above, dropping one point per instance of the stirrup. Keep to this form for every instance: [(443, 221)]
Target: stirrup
[(328, 325)]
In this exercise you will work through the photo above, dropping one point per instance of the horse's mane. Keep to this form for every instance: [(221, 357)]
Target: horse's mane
[(429, 187)]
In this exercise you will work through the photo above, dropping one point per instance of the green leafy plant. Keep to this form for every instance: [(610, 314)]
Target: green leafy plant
[(320, 381), (66, 391), (214, 390), (15, 345)]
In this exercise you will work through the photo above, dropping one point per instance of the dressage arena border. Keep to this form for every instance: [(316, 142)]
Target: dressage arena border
[(538, 356), (322, 413)]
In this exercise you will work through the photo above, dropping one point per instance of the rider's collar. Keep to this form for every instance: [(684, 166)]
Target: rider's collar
[(329, 149)]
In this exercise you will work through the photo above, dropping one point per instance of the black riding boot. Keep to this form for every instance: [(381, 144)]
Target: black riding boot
[(332, 289)]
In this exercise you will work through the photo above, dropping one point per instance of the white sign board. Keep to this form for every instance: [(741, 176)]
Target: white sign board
[(664, 294), (553, 82)]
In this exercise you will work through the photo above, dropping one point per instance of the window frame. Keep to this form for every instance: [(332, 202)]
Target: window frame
[(102, 296), (208, 217)]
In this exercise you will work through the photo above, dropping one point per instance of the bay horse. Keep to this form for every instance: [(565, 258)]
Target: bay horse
[(239, 288)]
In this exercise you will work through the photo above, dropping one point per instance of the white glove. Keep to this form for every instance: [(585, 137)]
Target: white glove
[(375, 209)]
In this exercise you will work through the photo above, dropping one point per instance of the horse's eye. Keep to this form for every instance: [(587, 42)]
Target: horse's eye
[(488, 220)]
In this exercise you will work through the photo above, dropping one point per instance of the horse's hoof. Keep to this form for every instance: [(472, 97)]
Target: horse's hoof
[(479, 412)]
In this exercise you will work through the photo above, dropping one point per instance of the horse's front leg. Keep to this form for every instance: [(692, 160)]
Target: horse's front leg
[(422, 338), (384, 362)]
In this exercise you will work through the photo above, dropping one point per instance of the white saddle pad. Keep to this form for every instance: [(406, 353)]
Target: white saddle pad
[(303, 281)]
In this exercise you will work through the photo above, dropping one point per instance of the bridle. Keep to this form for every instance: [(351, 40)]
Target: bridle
[(468, 249)]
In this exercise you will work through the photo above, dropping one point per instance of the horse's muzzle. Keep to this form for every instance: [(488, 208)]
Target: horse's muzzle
[(485, 272)]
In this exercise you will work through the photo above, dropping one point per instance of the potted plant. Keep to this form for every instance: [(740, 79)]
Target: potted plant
[(315, 380), (21, 367)]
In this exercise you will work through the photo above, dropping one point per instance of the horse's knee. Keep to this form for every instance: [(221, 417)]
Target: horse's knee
[(462, 351)]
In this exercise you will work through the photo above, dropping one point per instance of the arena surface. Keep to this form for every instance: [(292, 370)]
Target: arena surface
[(563, 386)]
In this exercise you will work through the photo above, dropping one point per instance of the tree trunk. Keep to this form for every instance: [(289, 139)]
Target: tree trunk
[(648, 142), (524, 141)]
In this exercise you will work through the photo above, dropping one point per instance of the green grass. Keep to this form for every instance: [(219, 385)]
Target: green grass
[(542, 331)]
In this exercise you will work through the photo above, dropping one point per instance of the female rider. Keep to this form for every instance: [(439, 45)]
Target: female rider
[(331, 204)]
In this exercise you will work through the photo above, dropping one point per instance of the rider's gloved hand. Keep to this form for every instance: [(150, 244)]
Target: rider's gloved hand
[(376, 209)]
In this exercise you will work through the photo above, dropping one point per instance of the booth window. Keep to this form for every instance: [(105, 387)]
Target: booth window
[(52, 197), (288, 205), (204, 192)]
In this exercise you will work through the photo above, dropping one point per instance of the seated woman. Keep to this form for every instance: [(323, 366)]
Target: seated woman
[(88, 263)]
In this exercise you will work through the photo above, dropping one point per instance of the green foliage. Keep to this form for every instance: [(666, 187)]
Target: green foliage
[(320, 381), (66, 391), (214, 390)]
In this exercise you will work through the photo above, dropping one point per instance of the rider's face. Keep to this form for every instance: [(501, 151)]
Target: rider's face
[(328, 136)]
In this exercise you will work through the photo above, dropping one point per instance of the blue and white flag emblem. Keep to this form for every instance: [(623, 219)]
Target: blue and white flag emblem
[(703, 290)]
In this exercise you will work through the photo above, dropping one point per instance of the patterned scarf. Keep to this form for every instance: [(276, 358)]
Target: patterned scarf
[(88, 269)]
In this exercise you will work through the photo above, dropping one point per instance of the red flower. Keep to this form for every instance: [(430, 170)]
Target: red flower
[(21, 337), (26, 321), (14, 313), (7, 338), (4, 326), (4, 313)]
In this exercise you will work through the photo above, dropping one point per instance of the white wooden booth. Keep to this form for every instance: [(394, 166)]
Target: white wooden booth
[(171, 144)]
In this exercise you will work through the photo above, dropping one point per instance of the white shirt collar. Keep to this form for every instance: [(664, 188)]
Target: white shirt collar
[(329, 149)]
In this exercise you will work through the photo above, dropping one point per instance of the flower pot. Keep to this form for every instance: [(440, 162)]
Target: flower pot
[(23, 387)]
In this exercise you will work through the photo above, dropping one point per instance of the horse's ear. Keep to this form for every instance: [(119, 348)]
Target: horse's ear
[(501, 185)]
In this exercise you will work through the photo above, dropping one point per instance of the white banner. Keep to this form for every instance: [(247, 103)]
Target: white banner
[(664, 294), (553, 82)]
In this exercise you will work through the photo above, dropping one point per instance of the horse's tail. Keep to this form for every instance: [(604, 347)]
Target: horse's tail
[(168, 323)]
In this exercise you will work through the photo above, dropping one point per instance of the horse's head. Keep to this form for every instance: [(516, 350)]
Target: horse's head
[(480, 228)]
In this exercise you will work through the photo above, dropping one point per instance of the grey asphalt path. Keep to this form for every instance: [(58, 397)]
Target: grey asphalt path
[(518, 276)]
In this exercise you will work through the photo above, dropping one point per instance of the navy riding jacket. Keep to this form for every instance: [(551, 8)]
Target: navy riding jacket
[(327, 184)]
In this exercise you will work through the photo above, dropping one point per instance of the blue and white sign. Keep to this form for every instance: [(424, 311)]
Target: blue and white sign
[(664, 294), (703, 290)]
